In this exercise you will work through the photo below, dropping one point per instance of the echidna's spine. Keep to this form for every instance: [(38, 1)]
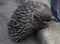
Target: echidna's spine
[(17, 26)]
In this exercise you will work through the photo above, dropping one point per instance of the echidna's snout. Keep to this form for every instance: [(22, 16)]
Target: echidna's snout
[(46, 15)]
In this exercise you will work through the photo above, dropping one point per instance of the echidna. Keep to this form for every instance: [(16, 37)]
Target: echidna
[(27, 19)]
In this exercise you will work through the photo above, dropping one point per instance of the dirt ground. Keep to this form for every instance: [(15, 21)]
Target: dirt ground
[(6, 11)]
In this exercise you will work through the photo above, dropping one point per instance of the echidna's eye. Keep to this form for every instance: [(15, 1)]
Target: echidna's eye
[(36, 18)]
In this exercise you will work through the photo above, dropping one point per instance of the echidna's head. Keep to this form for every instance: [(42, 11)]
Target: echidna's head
[(45, 15)]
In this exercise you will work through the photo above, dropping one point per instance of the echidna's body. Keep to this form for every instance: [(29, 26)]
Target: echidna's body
[(26, 19)]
